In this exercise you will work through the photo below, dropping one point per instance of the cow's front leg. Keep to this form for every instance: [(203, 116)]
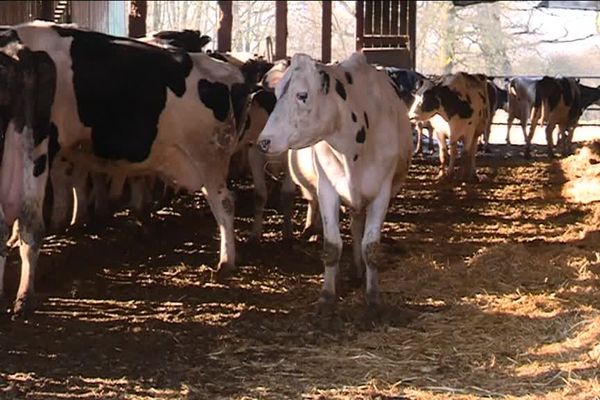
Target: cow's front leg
[(357, 227), (329, 205), (375, 216), (221, 204), (257, 162)]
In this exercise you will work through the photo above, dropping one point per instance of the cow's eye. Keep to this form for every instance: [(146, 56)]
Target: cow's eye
[(302, 96)]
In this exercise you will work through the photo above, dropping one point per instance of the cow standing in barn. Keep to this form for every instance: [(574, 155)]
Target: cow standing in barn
[(521, 98), (560, 102), (497, 99), (358, 131), (119, 105), (461, 99)]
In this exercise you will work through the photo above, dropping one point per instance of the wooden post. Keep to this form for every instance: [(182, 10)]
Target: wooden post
[(280, 29), (412, 31), (326, 32), (47, 11), (225, 24), (137, 18), (360, 21)]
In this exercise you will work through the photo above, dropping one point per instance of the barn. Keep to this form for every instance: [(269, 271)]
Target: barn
[(490, 287)]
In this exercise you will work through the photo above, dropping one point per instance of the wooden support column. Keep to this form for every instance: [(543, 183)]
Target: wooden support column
[(225, 26), (360, 23), (326, 32), (138, 10), (47, 11), (280, 29), (412, 31)]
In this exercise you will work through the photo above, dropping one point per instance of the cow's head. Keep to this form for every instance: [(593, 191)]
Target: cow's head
[(303, 115), (427, 101)]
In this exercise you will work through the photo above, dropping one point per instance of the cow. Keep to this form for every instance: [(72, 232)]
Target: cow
[(357, 129), (461, 99), (497, 99), (122, 106), (189, 40), (560, 101), (521, 98), (408, 81)]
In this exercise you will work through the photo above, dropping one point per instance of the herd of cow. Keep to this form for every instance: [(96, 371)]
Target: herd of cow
[(100, 115)]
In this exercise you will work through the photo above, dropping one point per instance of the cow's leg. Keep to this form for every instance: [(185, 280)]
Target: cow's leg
[(549, 139), (528, 138), (100, 196), (453, 158), (329, 204), (288, 194), (418, 128), (31, 230), (5, 230), (375, 214), (221, 204), (469, 155), (443, 153), (257, 162), (140, 201), (430, 133), (509, 123), (312, 225), (82, 193), (357, 227), (62, 191)]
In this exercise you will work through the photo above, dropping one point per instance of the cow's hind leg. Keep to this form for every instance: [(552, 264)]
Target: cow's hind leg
[(549, 139), (221, 204), (357, 227), (5, 231), (257, 162), (31, 230)]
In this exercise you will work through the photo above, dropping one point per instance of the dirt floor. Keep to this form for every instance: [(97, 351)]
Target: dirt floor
[(495, 288)]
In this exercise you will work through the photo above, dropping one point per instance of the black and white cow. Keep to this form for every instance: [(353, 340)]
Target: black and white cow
[(357, 130), (497, 99), (521, 98), (461, 99), (560, 101), (189, 40), (122, 105)]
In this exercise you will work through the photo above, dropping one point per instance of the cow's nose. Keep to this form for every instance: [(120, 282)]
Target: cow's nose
[(263, 145)]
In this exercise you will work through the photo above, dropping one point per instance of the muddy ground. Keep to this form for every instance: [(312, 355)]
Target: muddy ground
[(494, 289)]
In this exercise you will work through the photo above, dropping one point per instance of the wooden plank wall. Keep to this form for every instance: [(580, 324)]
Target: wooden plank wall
[(15, 12)]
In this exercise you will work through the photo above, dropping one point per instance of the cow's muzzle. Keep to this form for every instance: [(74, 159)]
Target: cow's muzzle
[(263, 145)]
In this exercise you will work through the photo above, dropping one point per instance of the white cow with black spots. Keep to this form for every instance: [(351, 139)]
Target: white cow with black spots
[(357, 131)]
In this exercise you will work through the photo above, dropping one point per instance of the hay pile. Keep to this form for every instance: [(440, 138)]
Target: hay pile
[(582, 171)]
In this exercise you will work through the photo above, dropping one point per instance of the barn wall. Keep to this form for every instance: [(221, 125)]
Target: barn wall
[(15, 12)]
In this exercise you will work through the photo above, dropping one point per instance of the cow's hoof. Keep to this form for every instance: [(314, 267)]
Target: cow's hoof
[(327, 317), (527, 155), (4, 306), (224, 270), (24, 307)]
